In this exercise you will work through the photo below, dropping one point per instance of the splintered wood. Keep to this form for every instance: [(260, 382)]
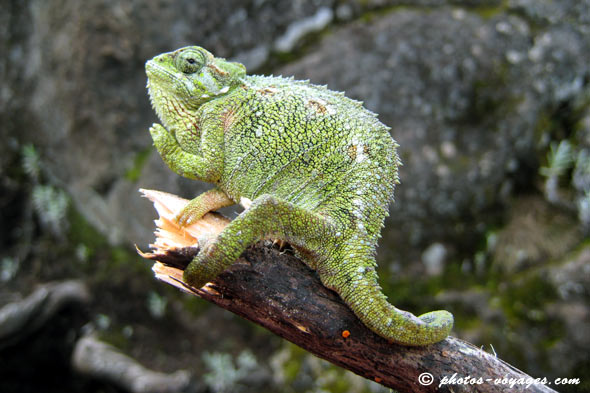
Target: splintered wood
[(175, 246)]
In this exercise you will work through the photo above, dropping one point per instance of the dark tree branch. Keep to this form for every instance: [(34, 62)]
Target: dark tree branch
[(280, 293)]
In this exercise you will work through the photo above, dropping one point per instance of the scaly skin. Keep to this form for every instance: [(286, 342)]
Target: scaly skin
[(313, 168)]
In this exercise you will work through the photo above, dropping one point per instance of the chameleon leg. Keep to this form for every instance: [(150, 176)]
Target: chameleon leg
[(267, 216), (208, 201), (356, 283), (349, 270), (184, 163)]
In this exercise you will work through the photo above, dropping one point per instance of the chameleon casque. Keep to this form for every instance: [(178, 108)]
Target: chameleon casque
[(312, 168)]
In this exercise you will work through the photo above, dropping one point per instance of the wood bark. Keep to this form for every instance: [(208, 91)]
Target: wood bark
[(277, 291)]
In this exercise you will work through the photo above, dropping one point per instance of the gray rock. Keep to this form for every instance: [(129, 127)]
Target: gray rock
[(76, 89), (575, 13), (104, 362), (436, 3), (433, 259), (463, 95), (20, 319), (299, 29), (474, 90)]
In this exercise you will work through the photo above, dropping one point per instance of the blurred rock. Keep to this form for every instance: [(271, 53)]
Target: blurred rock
[(76, 89), (575, 13), (37, 332), (22, 318), (464, 96), (462, 93), (571, 278), (433, 259), (474, 91), (299, 29), (102, 361), (534, 233)]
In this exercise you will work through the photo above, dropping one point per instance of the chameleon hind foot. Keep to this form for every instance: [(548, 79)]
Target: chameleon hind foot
[(208, 201), (268, 216)]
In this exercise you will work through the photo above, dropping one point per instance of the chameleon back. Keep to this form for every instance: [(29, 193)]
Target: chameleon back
[(318, 150)]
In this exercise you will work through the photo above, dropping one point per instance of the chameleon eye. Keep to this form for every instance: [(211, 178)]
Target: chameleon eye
[(190, 61)]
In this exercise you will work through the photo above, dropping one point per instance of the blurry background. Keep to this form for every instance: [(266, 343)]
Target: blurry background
[(489, 100)]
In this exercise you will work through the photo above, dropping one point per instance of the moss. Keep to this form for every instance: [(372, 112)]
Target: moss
[(418, 296), (581, 371), (535, 233), (292, 367), (81, 232), (107, 259), (524, 295), (374, 13), (561, 121), (337, 385), (194, 305), (489, 99), (543, 127), (466, 322), (484, 11), (116, 338), (141, 157), (488, 12)]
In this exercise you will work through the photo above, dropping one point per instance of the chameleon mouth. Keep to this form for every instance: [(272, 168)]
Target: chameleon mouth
[(162, 85), (158, 78), (155, 71)]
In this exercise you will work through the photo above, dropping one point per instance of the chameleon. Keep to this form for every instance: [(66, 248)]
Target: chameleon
[(311, 167)]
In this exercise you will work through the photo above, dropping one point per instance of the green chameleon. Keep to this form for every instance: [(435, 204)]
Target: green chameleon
[(311, 167)]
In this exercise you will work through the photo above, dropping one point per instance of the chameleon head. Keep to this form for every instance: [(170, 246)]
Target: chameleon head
[(181, 81)]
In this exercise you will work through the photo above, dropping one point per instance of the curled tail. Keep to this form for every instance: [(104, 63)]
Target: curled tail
[(356, 283)]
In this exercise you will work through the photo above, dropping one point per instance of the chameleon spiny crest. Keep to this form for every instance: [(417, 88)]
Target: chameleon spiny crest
[(311, 166)]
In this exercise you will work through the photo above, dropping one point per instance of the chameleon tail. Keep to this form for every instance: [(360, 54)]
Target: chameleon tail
[(357, 284)]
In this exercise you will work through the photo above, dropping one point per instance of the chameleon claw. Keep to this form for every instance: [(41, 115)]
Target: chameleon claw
[(280, 243)]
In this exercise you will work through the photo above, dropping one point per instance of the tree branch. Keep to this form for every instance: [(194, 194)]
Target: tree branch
[(277, 291)]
